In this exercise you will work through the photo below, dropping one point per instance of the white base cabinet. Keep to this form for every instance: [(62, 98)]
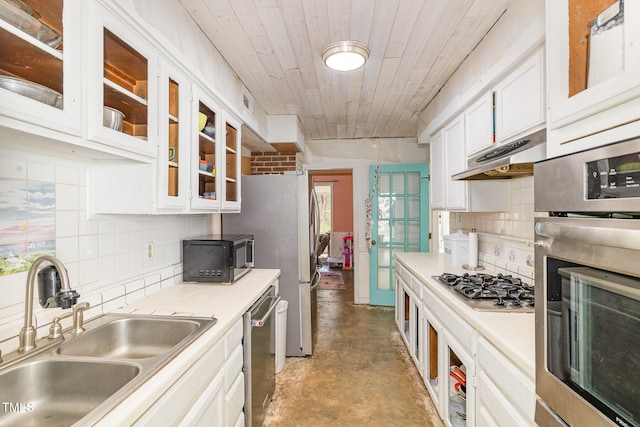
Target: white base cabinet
[(497, 392), (210, 393)]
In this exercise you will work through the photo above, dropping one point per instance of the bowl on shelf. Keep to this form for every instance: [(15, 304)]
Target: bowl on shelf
[(32, 90), (209, 130), (202, 121), (112, 118)]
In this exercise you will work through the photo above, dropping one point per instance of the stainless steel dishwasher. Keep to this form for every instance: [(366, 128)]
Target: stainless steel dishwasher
[(259, 357)]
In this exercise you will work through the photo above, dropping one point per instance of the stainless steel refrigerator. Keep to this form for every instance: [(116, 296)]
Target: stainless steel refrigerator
[(281, 212)]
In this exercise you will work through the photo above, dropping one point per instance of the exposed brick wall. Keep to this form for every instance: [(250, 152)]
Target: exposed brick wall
[(273, 163)]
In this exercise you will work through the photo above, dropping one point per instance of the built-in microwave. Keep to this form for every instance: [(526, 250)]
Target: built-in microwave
[(220, 258), (587, 260)]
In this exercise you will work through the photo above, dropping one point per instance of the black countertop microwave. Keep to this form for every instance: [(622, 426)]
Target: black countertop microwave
[(220, 258)]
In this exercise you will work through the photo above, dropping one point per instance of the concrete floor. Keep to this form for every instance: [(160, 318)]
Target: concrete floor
[(360, 372)]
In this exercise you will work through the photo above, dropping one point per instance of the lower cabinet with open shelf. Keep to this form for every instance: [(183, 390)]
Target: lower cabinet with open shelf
[(471, 382)]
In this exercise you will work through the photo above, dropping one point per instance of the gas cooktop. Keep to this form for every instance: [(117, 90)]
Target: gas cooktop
[(491, 293)]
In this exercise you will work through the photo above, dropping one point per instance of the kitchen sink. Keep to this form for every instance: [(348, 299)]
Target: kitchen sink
[(82, 377), (131, 338), (59, 392)]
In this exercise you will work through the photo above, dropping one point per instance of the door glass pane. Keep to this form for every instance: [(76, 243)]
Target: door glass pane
[(384, 283), (397, 248), (413, 183), (413, 231), (398, 183), (384, 256), (413, 207), (398, 232), (383, 183), (383, 231), (412, 248), (384, 207), (398, 207)]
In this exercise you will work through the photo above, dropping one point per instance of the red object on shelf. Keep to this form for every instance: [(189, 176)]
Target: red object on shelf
[(347, 251)]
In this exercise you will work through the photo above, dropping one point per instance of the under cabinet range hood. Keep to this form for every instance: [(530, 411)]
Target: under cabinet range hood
[(506, 161)]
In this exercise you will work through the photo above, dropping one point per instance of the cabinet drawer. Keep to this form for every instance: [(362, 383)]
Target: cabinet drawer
[(177, 401), (498, 407), (508, 378), (460, 329), (233, 338), (233, 367), (235, 400)]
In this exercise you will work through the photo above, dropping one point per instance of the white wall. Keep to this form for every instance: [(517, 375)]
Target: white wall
[(358, 155)]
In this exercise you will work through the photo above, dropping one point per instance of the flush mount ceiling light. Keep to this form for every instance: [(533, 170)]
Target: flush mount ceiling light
[(345, 55)]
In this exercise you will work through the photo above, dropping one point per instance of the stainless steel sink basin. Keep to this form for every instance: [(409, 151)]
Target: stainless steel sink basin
[(131, 338), (59, 392), (83, 377)]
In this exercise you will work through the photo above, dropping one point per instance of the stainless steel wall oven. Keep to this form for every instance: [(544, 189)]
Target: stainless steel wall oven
[(587, 260)]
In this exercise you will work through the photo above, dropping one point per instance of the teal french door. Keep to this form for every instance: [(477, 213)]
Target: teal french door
[(399, 222)]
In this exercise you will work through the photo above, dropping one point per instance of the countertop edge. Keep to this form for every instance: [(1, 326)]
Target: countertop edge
[(247, 290), (512, 345)]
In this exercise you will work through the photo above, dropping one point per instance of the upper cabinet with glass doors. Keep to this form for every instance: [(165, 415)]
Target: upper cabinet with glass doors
[(231, 200), (174, 133), (40, 65), (215, 157), (205, 165), (122, 91), (593, 54)]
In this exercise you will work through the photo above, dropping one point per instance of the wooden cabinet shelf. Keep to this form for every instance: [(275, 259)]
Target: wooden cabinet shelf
[(23, 56), (126, 83)]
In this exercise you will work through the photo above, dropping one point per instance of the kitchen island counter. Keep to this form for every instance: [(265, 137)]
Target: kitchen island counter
[(512, 333), (226, 302)]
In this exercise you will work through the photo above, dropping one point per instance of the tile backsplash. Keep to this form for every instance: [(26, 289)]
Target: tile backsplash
[(505, 239), (106, 256)]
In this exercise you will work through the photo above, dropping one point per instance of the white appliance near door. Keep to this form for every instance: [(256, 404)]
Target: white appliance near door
[(281, 212)]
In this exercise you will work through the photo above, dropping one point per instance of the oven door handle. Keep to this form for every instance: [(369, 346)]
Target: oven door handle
[(599, 236), (567, 341), (259, 323)]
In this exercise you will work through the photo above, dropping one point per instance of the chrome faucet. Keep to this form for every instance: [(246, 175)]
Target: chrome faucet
[(55, 330), (65, 298)]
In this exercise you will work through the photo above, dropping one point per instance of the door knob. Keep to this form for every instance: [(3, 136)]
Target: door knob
[(373, 242)]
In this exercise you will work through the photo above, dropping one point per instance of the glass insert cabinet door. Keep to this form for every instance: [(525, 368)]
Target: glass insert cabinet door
[(399, 222)]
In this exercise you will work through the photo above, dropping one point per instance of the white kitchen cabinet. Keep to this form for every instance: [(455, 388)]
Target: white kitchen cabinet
[(121, 73), (216, 149), (58, 68), (478, 118), (437, 177), (202, 395), (432, 343), (409, 316), (402, 309), (174, 133), (520, 105), (504, 391), (459, 399), (584, 115), (447, 151), (455, 160)]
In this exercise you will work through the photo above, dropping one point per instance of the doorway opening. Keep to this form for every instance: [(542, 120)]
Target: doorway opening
[(334, 190)]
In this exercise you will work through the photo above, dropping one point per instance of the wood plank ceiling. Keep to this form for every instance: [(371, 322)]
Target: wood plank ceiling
[(274, 46)]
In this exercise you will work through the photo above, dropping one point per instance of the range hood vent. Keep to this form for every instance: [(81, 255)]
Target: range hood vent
[(506, 161)]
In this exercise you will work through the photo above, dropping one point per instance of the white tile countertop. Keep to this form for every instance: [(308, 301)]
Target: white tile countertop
[(512, 333), (226, 302)]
